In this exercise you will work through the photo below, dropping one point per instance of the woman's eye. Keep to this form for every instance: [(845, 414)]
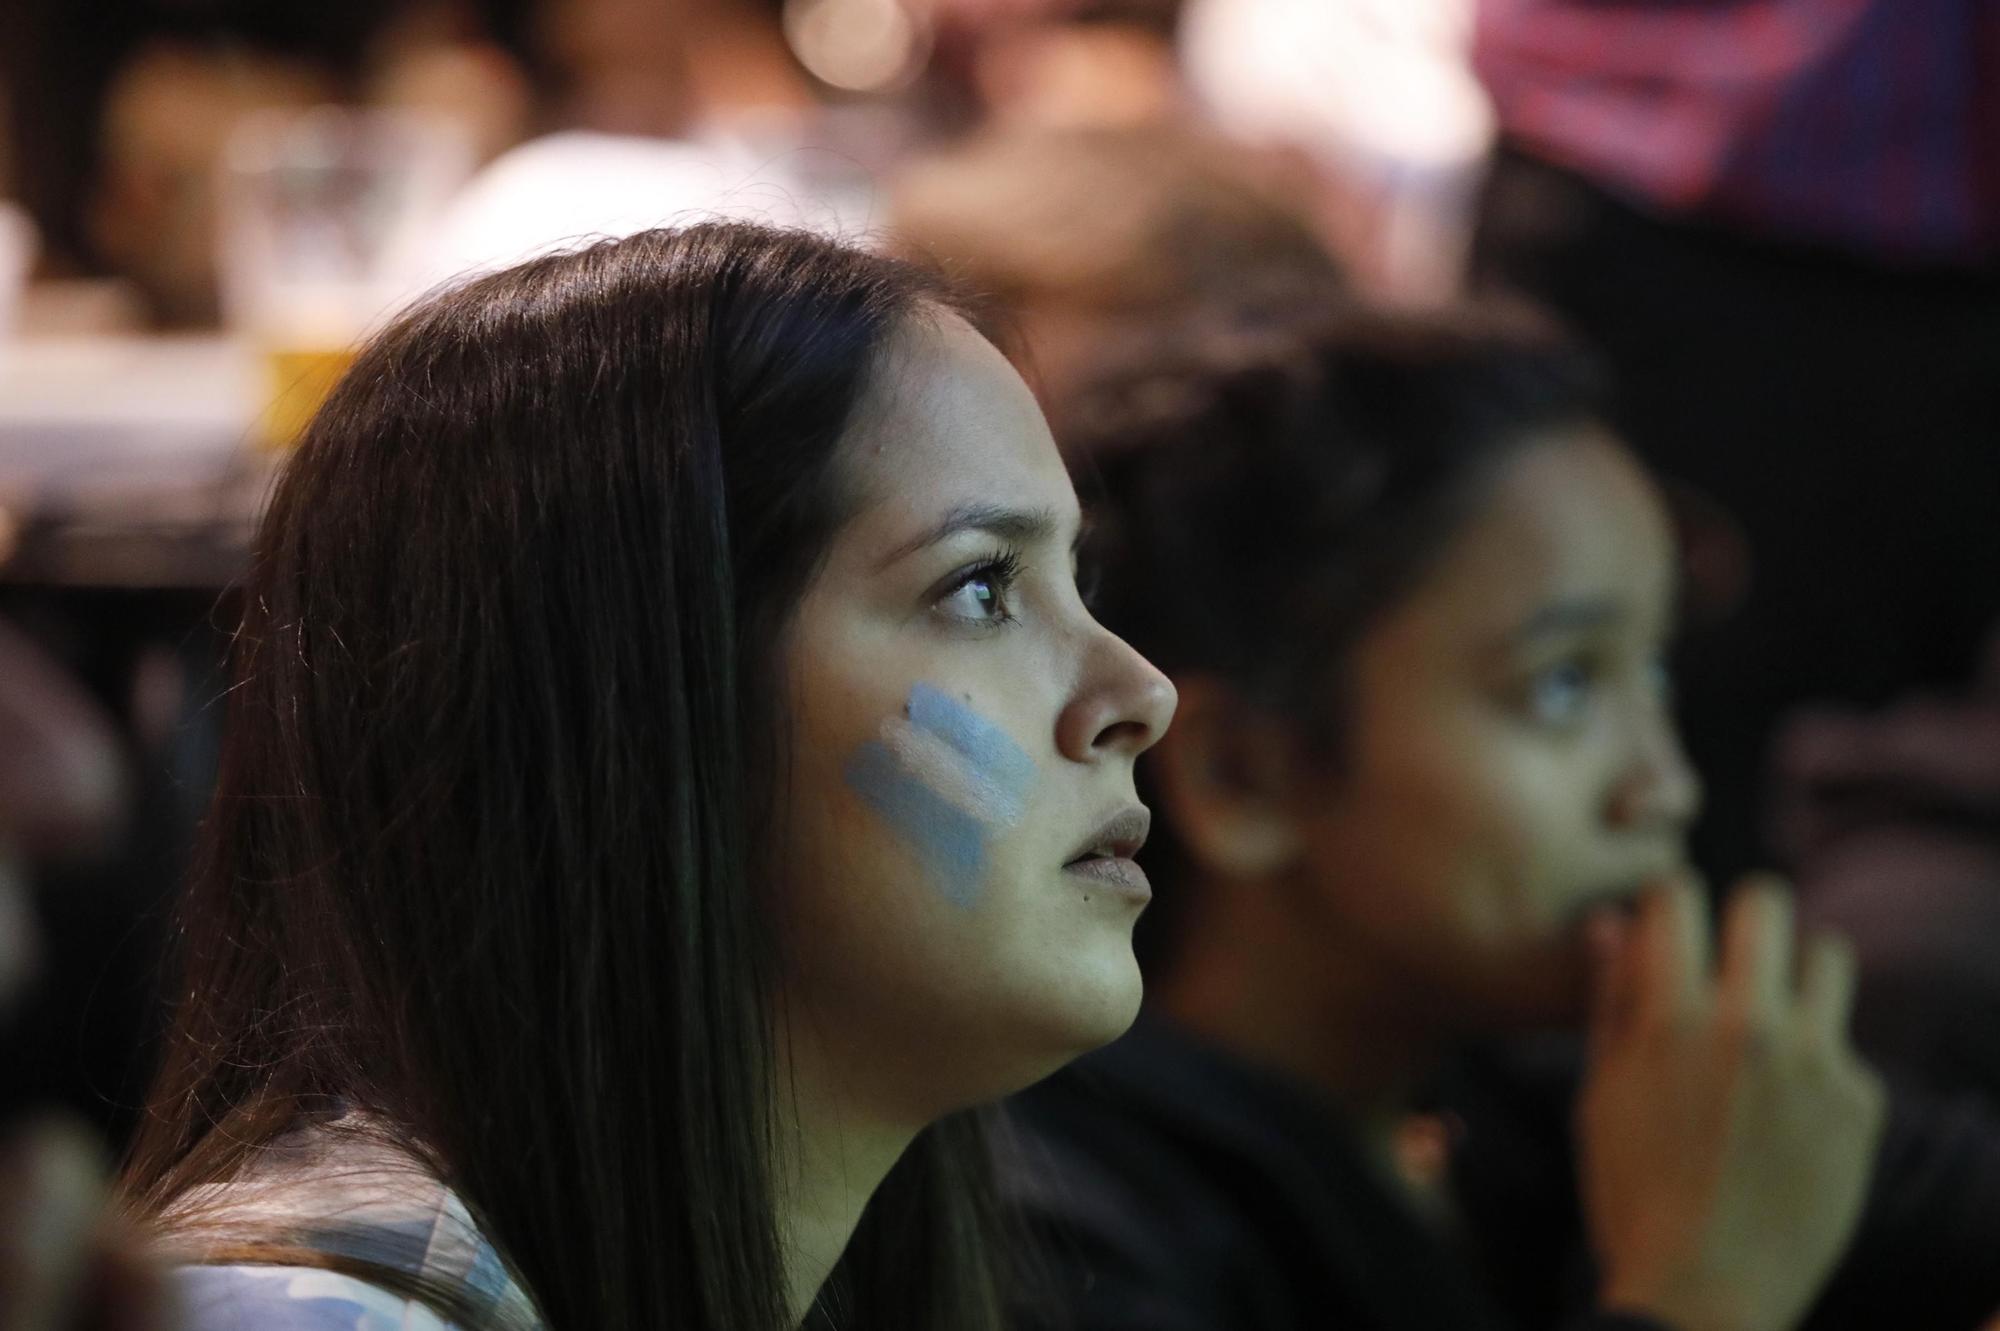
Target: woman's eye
[(976, 598), (1558, 695), (981, 596)]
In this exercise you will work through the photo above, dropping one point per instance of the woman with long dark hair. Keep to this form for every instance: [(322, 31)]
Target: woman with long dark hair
[(670, 781)]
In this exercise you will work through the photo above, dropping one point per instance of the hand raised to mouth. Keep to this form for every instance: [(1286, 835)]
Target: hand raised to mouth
[(1726, 1128)]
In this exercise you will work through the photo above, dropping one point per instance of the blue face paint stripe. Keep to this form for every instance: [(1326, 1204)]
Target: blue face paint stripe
[(981, 742), (940, 767), (950, 841)]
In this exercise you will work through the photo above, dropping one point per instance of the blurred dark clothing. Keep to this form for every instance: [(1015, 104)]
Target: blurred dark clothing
[(1175, 1188), (1841, 422), (1868, 125), (1891, 824), (83, 1037), (1172, 1187), (62, 778)]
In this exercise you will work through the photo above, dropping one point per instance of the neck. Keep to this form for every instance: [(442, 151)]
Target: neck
[(1255, 982), (834, 1153)]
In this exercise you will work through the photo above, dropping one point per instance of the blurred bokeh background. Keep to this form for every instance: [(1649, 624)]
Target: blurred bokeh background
[(1776, 221)]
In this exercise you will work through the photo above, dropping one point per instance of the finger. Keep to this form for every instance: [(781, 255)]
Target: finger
[(1757, 946), (1670, 953), (1827, 975), (1608, 946)]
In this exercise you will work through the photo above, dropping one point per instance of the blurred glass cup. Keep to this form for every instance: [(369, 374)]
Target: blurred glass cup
[(17, 252), (325, 214)]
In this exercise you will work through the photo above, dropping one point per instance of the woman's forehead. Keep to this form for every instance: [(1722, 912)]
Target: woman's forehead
[(946, 424), (1566, 524)]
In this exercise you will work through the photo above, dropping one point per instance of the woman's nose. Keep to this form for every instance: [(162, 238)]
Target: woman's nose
[(1122, 705), (1659, 790)]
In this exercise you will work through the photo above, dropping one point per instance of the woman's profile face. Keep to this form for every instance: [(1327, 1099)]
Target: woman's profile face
[(962, 731), (1513, 759)]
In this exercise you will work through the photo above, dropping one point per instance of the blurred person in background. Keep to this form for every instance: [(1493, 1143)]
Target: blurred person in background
[(1891, 823), (1378, 100), (167, 119), (1062, 64), (64, 1266), (1416, 600), (1078, 239), (656, 114), (667, 68), (444, 60), (121, 116), (1779, 221), (64, 790)]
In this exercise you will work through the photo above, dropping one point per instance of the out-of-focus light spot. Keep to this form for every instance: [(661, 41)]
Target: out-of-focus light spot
[(857, 45)]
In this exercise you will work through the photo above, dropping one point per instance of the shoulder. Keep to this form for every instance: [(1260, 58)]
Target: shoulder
[(359, 1201), (292, 1298)]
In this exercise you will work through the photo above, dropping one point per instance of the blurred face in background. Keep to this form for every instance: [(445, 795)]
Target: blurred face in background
[(168, 116), (1511, 760), (622, 64), (1505, 761)]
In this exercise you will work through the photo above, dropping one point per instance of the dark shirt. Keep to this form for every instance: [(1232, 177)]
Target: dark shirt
[(1171, 1187)]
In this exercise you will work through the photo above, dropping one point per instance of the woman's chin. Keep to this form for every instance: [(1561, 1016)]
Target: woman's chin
[(1548, 991), (1099, 1003), (1088, 1006)]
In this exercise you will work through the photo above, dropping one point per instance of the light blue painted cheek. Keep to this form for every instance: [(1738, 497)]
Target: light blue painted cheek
[(981, 743), (950, 841)]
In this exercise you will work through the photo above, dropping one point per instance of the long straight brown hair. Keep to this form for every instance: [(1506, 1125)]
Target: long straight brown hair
[(505, 716)]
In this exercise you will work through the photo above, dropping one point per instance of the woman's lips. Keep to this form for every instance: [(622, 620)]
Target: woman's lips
[(1117, 873)]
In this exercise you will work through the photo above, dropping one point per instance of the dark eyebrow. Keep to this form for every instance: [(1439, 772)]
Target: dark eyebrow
[(1575, 616), (1022, 526)]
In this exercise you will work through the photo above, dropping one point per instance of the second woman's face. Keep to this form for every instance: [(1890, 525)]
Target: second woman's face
[(1513, 760), (956, 887)]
